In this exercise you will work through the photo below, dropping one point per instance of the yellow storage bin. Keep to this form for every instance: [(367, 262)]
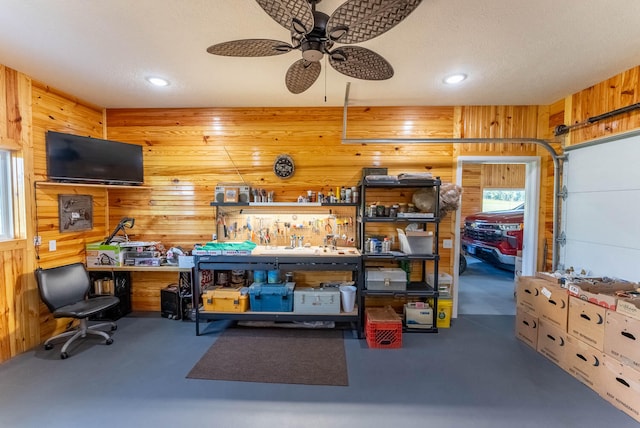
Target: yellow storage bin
[(226, 300), (443, 318)]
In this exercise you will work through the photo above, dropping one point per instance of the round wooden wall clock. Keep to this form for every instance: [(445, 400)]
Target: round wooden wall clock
[(283, 167)]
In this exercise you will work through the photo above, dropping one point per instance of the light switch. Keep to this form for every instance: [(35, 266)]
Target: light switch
[(447, 243), (52, 245)]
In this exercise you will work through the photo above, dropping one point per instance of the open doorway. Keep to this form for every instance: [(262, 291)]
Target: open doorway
[(487, 288)]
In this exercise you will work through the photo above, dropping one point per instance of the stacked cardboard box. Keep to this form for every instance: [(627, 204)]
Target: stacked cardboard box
[(579, 325)]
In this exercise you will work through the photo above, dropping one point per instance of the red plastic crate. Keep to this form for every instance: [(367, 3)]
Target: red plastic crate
[(383, 328)]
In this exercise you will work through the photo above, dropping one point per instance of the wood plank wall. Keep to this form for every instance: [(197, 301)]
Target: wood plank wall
[(187, 151), (472, 185), (19, 325), (56, 111), (619, 91)]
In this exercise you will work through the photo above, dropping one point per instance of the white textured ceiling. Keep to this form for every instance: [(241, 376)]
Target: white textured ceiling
[(514, 51)]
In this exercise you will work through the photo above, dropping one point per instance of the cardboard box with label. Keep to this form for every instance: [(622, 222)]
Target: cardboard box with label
[(598, 292), (552, 343), (528, 293), (553, 305), (621, 387), (629, 306), (418, 315), (587, 322), (552, 277), (99, 254), (584, 362), (621, 338), (527, 328)]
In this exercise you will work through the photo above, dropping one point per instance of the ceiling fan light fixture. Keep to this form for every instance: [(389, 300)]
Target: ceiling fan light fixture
[(312, 50), (337, 32), (454, 79), (157, 81)]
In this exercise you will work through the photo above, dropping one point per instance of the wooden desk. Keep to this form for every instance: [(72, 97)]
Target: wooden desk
[(146, 282), (166, 268)]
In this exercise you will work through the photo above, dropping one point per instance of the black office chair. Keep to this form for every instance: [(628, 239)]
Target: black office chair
[(65, 291)]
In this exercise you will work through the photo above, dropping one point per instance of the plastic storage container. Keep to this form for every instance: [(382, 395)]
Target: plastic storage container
[(226, 300), (307, 300), (383, 279), (443, 315), (383, 328), (444, 282), (418, 315), (271, 297), (416, 242)]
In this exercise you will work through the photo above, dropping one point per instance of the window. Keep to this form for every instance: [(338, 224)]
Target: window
[(6, 205), (501, 199)]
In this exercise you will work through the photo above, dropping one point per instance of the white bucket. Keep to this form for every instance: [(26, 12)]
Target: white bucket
[(348, 294)]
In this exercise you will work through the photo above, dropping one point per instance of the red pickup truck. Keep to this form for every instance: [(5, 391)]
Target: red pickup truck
[(494, 236)]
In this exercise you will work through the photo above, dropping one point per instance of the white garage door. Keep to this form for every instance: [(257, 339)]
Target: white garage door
[(601, 215)]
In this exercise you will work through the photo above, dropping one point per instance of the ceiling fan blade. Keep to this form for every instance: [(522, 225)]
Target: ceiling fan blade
[(250, 48), (360, 63), (283, 12), (301, 75), (366, 19)]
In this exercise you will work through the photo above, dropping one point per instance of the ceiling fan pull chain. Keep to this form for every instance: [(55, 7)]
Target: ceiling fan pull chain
[(325, 79)]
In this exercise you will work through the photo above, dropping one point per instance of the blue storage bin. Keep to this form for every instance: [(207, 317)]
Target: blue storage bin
[(271, 297)]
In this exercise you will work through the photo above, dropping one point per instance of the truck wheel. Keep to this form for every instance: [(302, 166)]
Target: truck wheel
[(463, 264)]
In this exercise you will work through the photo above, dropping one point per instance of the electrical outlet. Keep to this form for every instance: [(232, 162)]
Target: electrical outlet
[(447, 243), (52, 245), (37, 241)]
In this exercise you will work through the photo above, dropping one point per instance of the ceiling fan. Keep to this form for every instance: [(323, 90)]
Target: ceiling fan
[(314, 33)]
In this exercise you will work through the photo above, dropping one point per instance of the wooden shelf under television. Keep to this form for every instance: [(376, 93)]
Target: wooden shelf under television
[(108, 186)]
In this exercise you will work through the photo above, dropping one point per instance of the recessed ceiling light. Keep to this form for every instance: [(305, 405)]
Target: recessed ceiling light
[(455, 78), (158, 81)]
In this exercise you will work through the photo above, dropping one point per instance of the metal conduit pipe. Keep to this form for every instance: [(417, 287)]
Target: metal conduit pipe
[(556, 161)]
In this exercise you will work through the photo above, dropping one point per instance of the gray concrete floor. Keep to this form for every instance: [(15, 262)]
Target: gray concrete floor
[(485, 290), (475, 374)]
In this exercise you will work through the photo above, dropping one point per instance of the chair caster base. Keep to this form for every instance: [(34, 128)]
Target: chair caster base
[(64, 355), (48, 346)]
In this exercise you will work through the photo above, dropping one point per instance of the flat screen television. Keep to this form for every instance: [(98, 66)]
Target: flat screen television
[(76, 159)]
